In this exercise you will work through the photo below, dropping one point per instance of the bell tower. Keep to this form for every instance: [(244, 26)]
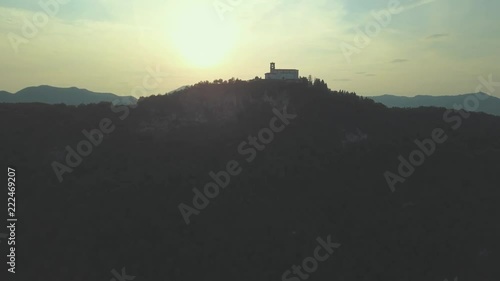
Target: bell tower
[(273, 67)]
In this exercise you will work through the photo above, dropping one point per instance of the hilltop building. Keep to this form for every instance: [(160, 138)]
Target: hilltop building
[(282, 74)]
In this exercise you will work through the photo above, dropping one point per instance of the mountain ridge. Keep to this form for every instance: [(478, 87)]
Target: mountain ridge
[(492, 106), (56, 95)]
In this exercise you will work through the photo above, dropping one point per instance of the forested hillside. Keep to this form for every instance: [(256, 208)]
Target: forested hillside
[(323, 173)]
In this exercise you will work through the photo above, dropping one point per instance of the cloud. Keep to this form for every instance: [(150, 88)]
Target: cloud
[(365, 74), (399, 60), (416, 5), (438, 35)]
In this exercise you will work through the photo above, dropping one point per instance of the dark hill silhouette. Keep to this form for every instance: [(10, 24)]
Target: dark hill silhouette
[(322, 175), (178, 89), (490, 106), (69, 96), (6, 96)]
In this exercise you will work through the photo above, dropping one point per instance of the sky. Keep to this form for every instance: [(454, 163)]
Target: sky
[(371, 47)]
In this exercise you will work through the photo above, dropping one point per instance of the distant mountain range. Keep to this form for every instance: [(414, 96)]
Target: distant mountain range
[(69, 96), (491, 105), (178, 90), (76, 96)]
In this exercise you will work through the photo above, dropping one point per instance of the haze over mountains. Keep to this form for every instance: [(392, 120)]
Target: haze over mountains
[(68, 96), (76, 96), (491, 105)]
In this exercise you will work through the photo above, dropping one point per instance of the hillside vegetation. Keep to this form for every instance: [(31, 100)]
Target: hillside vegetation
[(323, 174)]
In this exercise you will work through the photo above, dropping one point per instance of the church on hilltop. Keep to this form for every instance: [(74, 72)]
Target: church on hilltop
[(282, 74)]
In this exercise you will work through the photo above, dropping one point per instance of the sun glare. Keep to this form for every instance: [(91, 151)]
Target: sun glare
[(201, 38)]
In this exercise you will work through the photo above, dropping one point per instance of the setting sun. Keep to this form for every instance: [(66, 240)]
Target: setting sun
[(201, 38)]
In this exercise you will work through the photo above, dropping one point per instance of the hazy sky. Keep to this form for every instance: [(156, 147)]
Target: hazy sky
[(426, 47)]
